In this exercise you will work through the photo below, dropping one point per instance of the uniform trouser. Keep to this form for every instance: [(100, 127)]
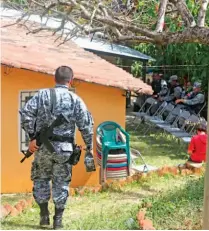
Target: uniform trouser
[(46, 168), (155, 107), (172, 117)]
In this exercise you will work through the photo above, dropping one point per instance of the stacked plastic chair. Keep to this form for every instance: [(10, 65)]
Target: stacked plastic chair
[(113, 151)]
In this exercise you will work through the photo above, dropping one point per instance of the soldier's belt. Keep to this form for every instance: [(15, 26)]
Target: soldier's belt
[(61, 139)]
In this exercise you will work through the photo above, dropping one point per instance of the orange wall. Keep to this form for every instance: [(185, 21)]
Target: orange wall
[(105, 103)]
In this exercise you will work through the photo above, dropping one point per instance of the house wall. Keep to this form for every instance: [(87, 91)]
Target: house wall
[(105, 103)]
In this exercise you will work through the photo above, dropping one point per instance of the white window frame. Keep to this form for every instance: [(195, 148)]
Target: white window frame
[(23, 137)]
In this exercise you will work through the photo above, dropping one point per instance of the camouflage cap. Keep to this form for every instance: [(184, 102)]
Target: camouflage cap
[(197, 85), (173, 78)]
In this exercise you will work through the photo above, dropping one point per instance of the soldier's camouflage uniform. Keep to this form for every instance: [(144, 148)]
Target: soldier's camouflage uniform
[(172, 96), (192, 103), (194, 99), (161, 94), (47, 166)]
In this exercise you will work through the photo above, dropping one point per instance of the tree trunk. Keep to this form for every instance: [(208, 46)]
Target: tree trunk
[(202, 13), (161, 15), (189, 35)]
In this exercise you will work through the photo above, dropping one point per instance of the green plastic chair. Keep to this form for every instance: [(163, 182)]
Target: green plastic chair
[(108, 132)]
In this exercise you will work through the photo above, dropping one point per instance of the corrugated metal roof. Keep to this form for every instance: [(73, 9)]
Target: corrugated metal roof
[(39, 52), (103, 47)]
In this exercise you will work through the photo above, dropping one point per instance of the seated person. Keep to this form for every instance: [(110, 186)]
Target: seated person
[(159, 85), (187, 89), (160, 89), (197, 146), (194, 101), (174, 93), (174, 90)]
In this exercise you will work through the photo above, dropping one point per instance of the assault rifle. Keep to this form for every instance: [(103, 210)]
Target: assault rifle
[(43, 137)]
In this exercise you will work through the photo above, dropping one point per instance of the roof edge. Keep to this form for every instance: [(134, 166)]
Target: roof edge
[(50, 72)]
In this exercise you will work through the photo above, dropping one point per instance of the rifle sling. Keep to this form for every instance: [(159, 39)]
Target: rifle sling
[(53, 100), (57, 137)]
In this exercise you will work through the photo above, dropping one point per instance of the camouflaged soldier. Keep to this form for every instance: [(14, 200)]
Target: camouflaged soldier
[(160, 88), (194, 101), (174, 90), (47, 166), (174, 93)]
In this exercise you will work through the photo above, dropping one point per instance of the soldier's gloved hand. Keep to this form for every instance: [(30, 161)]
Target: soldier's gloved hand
[(32, 146)]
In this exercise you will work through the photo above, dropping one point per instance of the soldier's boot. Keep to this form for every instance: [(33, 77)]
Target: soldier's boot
[(58, 218), (44, 214)]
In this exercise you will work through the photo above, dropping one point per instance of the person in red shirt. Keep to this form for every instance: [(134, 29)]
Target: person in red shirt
[(197, 146)]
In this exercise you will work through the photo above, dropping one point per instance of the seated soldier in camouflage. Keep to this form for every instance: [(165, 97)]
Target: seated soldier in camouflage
[(194, 101), (174, 93), (160, 89)]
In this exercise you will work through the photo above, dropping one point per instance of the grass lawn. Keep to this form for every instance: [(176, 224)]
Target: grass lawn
[(180, 208), (175, 202), (156, 149), (12, 199)]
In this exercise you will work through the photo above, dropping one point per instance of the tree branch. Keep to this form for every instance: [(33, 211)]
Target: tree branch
[(202, 13), (95, 16), (190, 35), (142, 39), (161, 15), (112, 22), (184, 12)]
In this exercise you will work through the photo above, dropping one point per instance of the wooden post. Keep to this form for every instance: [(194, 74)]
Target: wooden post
[(144, 70), (206, 184)]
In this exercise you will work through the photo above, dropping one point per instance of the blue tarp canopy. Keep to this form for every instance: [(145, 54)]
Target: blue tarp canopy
[(106, 48)]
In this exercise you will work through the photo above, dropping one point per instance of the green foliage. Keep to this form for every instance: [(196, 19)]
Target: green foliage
[(190, 60), (136, 69), (147, 11), (194, 8)]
